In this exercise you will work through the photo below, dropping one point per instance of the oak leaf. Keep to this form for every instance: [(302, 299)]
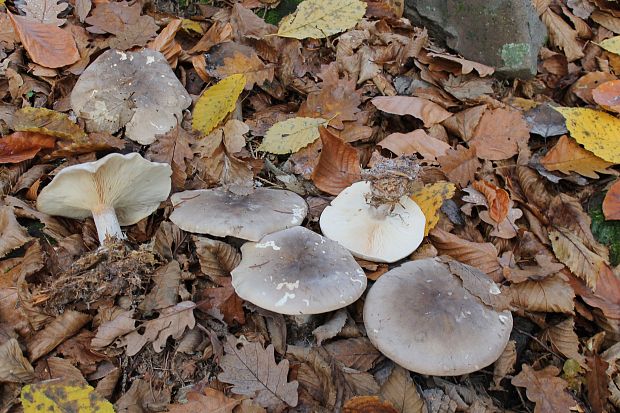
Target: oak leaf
[(318, 19), (254, 372), (47, 44), (45, 11), (211, 400), (338, 166), (20, 146), (499, 134), (611, 203), (567, 156), (418, 141), (124, 21), (460, 165), (545, 389), (428, 112)]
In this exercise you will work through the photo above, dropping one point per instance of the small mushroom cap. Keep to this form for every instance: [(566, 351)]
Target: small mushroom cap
[(138, 90), (420, 316), (368, 234), (297, 271), (130, 184), (222, 213)]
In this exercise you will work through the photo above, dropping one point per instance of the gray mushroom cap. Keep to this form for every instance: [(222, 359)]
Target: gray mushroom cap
[(421, 316), (222, 213), (138, 90), (297, 271)]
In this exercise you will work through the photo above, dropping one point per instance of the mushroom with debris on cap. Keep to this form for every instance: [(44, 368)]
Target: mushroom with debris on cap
[(382, 233), (115, 190), (297, 271), (246, 216), (438, 317), (137, 90)]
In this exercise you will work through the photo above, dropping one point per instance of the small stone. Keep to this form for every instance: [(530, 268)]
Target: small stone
[(505, 34)]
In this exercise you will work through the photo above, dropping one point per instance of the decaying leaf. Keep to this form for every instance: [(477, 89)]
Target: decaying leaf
[(338, 165), (12, 235), (223, 303), (48, 122), (320, 18), (216, 102), (364, 404), (56, 332), (611, 203), (460, 165), (545, 389), (418, 141), (571, 251), (596, 131), (14, 367), (253, 372), (499, 134), (425, 110), (552, 294), (63, 396), (173, 148), (566, 156), (498, 200), (291, 135), (430, 198), (45, 11), (210, 400), (402, 392), (20, 146)]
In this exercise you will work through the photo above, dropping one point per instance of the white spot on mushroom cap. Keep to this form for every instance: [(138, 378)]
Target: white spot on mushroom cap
[(268, 244), (149, 60), (290, 286), (284, 299), (494, 289)]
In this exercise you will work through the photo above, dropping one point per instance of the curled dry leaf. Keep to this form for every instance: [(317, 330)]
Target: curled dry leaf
[(498, 200), (611, 203), (338, 166), (467, 65), (46, 44), (12, 235), (20, 146), (608, 95), (14, 367), (253, 372), (418, 141), (368, 404), (428, 112), (60, 329)]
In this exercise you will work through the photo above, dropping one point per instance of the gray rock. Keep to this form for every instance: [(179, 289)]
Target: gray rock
[(505, 34)]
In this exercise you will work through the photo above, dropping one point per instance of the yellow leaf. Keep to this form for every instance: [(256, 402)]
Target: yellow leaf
[(191, 25), (60, 397), (49, 122), (597, 131), (318, 19), (291, 135), (611, 45), (217, 102), (430, 198)]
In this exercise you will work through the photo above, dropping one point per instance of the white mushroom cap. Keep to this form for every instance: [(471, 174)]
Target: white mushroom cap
[(422, 316), (369, 232), (223, 213), (297, 271), (116, 190), (138, 90)]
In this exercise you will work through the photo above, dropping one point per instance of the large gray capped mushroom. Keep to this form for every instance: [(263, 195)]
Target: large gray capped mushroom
[(137, 90), (222, 213), (437, 318), (115, 190), (297, 271)]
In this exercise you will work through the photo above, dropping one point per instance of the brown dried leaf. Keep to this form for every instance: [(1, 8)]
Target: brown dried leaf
[(464, 123), (123, 21), (467, 66), (166, 44), (567, 156), (232, 58), (552, 294), (93, 142), (173, 148), (49, 122), (545, 389), (223, 303), (504, 364), (60, 329), (109, 331), (563, 338), (562, 35), (12, 235), (166, 289), (597, 382), (608, 95), (14, 367), (499, 134), (46, 44), (401, 391), (418, 141), (606, 295), (253, 372), (338, 166), (460, 165), (217, 259), (498, 200), (368, 404), (356, 353), (611, 203), (571, 251), (45, 11), (211, 401), (429, 112)]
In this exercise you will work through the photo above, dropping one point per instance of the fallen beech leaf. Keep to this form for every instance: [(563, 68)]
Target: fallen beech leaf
[(545, 389), (611, 203), (212, 401), (562, 35), (567, 156), (318, 19), (368, 404), (584, 86), (164, 293), (499, 134), (608, 95), (63, 396), (338, 166), (93, 142), (49, 122), (596, 131), (231, 58), (223, 303), (467, 65), (12, 235), (216, 102), (504, 364), (109, 331), (611, 45), (570, 250), (464, 123), (45, 11), (46, 44), (253, 372), (20, 146), (606, 295), (173, 148), (402, 392), (357, 353), (552, 294), (14, 367), (291, 135), (418, 141), (498, 200), (563, 338), (166, 44), (430, 198), (60, 329), (429, 112), (597, 383), (460, 165), (217, 259)]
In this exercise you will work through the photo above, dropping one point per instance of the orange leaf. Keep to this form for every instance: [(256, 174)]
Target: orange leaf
[(429, 112), (460, 165), (20, 146), (545, 389), (47, 44), (338, 166), (417, 141), (608, 95), (368, 404), (611, 203), (499, 134), (567, 156), (497, 198)]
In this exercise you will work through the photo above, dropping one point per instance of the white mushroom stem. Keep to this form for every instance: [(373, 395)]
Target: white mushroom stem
[(106, 223)]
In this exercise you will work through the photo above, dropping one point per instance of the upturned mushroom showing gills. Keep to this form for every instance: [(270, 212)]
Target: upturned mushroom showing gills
[(222, 213), (115, 190), (437, 318), (297, 271), (382, 233)]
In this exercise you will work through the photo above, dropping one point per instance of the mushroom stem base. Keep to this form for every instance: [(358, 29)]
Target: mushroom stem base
[(107, 224)]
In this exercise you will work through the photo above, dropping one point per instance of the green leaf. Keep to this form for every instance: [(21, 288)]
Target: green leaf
[(291, 135)]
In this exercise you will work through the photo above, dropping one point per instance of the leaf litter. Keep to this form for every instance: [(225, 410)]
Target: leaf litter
[(518, 179)]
